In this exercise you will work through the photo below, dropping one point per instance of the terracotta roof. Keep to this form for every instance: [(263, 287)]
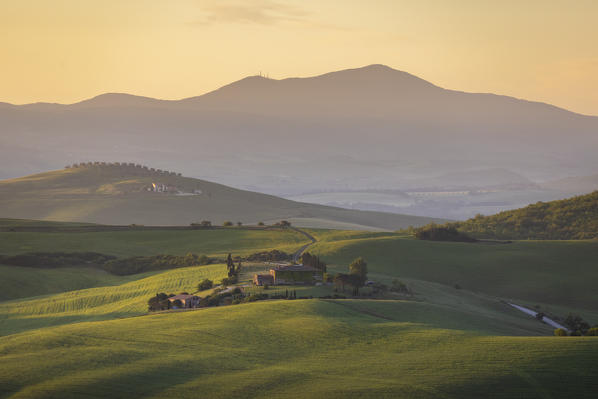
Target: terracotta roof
[(295, 268), (182, 296)]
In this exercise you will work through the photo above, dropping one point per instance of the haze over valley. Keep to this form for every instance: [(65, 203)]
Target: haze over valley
[(370, 138)]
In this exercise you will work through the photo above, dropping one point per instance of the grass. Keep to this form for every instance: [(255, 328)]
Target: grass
[(118, 195), (151, 242), (443, 342), (100, 303), (303, 348), (22, 282), (550, 272)]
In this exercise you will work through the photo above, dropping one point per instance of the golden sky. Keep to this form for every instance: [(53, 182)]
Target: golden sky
[(69, 50)]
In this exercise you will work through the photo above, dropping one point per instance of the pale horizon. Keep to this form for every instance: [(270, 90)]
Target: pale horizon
[(67, 51)]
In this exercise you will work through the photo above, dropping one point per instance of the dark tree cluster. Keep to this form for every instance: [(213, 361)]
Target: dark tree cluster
[(269, 256), (233, 271), (49, 260), (129, 166), (434, 232), (139, 264), (159, 302), (356, 278), (313, 261)]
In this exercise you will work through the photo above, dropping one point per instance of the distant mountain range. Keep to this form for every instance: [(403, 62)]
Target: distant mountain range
[(366, 129), (131, 194)]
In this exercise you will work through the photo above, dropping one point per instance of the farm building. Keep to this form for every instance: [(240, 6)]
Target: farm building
[(263, 279), (188, 301), (294, 274)]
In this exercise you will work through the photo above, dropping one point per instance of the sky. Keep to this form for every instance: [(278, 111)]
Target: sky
[(69, 50)]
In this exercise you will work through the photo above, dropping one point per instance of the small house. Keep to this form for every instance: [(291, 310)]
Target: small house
[(263, 279), (188, 301)]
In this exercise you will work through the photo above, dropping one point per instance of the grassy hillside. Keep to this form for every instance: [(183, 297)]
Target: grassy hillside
[(21, 282), (572, 218), (552, 272), (151, 242), (129, 298), (118, 195), (304, 348)]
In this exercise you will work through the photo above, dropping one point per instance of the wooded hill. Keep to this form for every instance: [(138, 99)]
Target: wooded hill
[(574, 218)]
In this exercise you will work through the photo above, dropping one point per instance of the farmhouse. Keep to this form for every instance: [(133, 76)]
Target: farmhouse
[(294, 274), (263, 279), (188, 301)]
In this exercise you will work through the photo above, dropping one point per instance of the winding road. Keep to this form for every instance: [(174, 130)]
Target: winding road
[(544, 319), (300, 251)]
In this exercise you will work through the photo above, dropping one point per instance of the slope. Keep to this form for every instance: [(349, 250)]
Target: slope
[(125, 299), (572, 218), (560, 273), (308, 348), (118, 194)]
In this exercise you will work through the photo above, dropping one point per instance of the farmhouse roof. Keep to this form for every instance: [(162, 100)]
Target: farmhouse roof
[(295, 268), (182, 296)]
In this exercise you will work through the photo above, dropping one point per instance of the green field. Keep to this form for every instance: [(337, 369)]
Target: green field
[(22, 282), (216, 242), (551, 272), (81, 332), (302, 348), (123, 300)]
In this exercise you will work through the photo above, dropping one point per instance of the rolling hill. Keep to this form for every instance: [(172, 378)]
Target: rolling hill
[(572, 218), (118, 194), (79, 333)]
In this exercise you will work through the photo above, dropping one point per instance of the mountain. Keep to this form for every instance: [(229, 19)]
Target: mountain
[(572, 218), (128, 193), (358, 129)]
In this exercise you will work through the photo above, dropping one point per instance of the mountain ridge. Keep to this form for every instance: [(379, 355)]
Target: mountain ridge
[(367, 72)]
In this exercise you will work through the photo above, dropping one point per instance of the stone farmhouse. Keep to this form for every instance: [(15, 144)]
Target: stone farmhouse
[(188, 301), (288, 274)]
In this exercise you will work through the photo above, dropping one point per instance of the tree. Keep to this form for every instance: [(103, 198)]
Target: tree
[(228, 223), (239, 224), (260, 224), (559, 332), (359, 268), (313, 261), (576, 324), (228, 281), (592, 331), (205, 284), (230, 266)]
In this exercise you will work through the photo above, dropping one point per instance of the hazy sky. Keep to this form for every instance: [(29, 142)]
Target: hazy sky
[(68, 50)]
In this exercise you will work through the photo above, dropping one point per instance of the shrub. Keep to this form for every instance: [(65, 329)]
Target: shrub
[(575, 323), (205, 284), (434, 232), (228, 223), (228, 281), (139, 264), (593, 331), (559, 332), (269, 256)]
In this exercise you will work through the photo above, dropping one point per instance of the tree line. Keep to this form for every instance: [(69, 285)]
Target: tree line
[(122, 165)]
